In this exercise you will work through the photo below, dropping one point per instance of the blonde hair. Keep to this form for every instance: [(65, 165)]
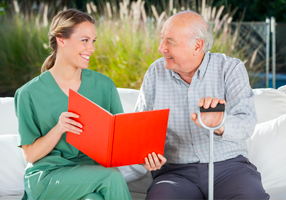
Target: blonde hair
[(62, 26)]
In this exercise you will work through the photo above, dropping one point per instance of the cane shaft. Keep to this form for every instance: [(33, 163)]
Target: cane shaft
[(211, 167)]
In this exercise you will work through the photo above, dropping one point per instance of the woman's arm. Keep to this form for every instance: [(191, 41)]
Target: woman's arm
[(44, 145)]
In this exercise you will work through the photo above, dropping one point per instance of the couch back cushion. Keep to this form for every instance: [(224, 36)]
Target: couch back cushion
[(269, 104), (128, 98), (8, 119), (12, 166), (282, 89), (267, 148)]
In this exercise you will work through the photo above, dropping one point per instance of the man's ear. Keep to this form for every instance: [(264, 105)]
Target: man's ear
[(199, 44), (60, 41)]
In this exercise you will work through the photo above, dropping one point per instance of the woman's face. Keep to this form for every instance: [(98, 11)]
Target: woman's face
[(79, 47)]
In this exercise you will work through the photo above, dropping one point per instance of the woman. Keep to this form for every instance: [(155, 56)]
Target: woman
[(57, 170)]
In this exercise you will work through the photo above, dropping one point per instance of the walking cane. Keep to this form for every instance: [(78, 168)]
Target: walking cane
[(218, 108)]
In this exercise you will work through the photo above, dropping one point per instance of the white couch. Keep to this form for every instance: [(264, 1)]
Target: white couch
[(267, 146)]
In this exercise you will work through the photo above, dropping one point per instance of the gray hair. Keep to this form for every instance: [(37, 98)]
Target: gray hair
[(200, 31)]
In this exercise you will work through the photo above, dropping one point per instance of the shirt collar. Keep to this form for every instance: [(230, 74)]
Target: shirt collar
[(201, 70), (203, 67), (175, 75)]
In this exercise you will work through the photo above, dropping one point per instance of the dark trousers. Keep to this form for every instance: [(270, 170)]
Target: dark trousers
[(235, 178)]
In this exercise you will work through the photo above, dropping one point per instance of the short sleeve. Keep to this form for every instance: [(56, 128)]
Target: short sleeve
[(116, 106), (28, 129)]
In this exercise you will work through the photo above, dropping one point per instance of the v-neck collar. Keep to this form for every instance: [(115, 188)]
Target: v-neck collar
[(55, 88)]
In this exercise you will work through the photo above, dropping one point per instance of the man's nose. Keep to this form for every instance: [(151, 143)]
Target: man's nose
[(162, 48)]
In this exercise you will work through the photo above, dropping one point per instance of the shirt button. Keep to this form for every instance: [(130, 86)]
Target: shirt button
[(193, 109), (195, 131), (199, 150), (201, 77), (191, 89)]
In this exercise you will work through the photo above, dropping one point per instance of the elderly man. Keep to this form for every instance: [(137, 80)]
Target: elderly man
[(188, 76)]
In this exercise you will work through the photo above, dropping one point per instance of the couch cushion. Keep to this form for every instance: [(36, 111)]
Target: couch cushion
[(269, 104), (282, 89), (12, 166), (12, 197), (277, 193), (140, 185), (267, 148), (128, 98), (8, 119)]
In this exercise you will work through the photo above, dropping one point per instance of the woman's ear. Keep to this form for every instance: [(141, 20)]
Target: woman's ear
[(60, 41)]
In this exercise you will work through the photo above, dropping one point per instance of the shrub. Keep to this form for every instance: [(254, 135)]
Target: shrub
[(127, 43)]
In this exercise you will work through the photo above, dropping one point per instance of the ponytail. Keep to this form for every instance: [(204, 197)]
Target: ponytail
[(49, 62)]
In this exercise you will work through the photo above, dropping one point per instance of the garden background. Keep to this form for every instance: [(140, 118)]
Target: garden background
[(128, 35)]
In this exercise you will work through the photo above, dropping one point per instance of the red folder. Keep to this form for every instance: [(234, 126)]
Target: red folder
[(117, 140)]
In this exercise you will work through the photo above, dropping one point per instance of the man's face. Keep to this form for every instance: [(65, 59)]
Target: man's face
[(175, 47)]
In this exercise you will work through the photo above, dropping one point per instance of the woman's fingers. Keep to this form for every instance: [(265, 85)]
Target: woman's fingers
[(70, 114), (66, 124), (73, 129), (73, 122)]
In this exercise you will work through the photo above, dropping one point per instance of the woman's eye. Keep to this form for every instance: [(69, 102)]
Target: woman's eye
[(85, 40), (94, 41)]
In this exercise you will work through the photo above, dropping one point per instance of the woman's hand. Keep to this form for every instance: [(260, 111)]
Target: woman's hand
[(44, 145), (67, 124), (154, 162)]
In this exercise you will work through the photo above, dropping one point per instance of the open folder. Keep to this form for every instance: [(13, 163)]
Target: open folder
[(117, 140)]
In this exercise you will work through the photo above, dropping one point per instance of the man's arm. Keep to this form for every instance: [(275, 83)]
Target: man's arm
[(241, 115), (146, 95)]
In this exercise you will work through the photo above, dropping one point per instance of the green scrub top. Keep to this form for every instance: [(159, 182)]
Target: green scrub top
[(39, 104)]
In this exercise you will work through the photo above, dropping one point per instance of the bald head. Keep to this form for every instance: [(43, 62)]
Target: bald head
[(194, 25), (187, 19)]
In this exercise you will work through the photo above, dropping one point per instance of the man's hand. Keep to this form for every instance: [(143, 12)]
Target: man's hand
[(154, 162), (210, 119)]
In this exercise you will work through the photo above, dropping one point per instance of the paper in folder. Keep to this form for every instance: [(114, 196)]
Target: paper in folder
[(117, 140)]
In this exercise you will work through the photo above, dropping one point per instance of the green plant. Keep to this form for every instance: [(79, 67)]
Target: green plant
[(21, 52), (135, 40), (128, 41), (123, 55)]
